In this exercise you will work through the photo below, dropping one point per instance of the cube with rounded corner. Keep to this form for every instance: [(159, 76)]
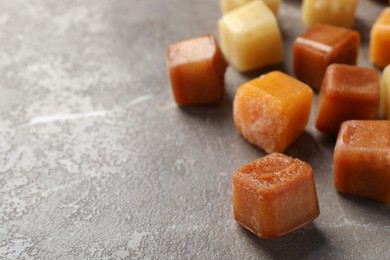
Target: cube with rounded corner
[(347, 92), (196, 69), (274, 195), (380, 40), (321, 46), (250, 37), (230, 5), (335, 12), (362, 159), (272, 111), (385, 93)]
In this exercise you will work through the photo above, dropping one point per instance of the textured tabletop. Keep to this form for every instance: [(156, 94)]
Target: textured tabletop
[(97, 161)]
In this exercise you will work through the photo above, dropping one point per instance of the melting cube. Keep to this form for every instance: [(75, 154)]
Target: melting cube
[(250, 37), (196, 69), (274, 195), (362, 159), (347, 92), (272, 111), (321, 46)]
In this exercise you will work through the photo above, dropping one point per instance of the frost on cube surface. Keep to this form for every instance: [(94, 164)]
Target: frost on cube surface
[(385, 93), (321, 46), (362, 159), (229, 5), (274, 195), (347, 92), (272, 111), (250, 37), (196, 70), (380, 40), (335, 12)]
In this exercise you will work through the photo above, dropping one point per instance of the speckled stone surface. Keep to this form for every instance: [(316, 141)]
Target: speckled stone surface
[(97, 161)]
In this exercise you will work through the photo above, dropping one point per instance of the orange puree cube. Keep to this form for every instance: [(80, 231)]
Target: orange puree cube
[(362, 159), (274, 195), (347, 92), (380, 40), (272, 111), (196, 69)]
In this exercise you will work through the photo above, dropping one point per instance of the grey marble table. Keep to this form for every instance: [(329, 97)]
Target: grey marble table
[(97, 161)]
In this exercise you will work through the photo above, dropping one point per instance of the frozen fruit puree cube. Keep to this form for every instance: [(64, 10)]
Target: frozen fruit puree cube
[(321, 46), (362, 159), (335, 12), (229, 5), (272, 111), (274, 195), (347, 92), (380, 40), (250, 37), (385, 93), (196, 69)]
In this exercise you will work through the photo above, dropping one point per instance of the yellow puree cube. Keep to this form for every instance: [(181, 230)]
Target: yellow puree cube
[(250, 37), (385, 93), (334, 12), (229, 5)]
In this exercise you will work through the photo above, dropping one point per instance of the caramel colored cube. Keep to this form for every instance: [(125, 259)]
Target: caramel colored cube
[(347, 92), (334, 12), (274, 195), (196, 69), (380, 40), (385, 93), (229, 5), (272, 111), (250, 37), (362, 159), (321, 46)]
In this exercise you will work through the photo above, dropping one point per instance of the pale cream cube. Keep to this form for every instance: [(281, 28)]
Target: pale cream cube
[(250, 37), (385, 93), (334, 12), (229, 5)]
